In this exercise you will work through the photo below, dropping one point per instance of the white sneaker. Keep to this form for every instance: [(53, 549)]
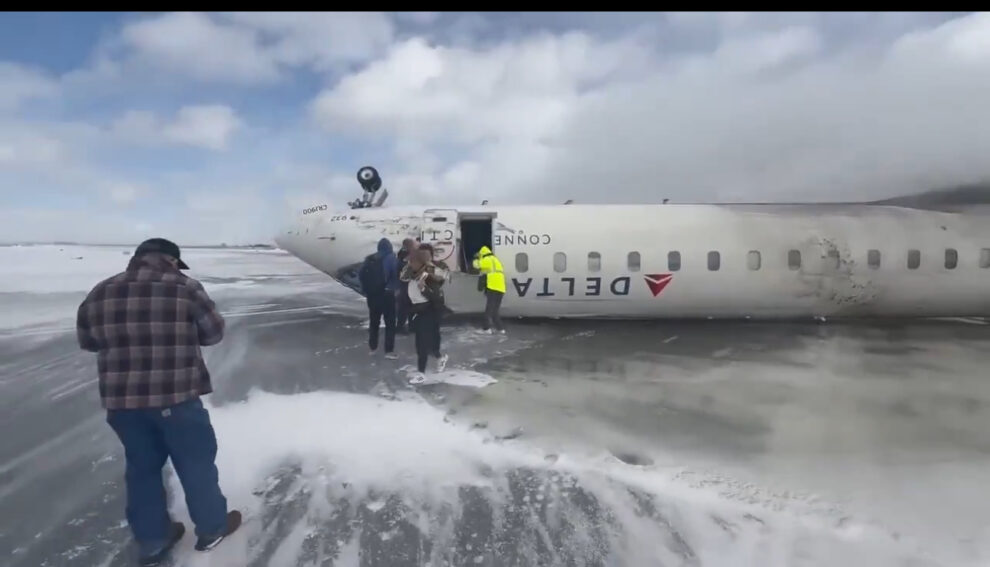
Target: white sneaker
[(502, 332), (417, 378), (442, 362), (391, 355)]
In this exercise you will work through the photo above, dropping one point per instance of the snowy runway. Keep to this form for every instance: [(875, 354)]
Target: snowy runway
[(561, 444)]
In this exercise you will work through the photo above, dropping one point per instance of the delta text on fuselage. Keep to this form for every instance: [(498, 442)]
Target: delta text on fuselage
[(761, 261)]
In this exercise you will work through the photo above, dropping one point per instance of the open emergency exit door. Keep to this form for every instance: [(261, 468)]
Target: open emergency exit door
[(440, 231)]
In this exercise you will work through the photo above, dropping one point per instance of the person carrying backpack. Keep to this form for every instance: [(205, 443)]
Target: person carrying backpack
[(434, 294), (379, 278), (426, 296)]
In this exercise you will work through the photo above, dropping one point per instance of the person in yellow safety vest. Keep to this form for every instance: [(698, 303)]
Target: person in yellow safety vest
[(494, 287)]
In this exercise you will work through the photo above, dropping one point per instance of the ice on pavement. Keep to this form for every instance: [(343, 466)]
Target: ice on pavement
[(52, 268), (561, 443), (456, 377), (405, 460), (40, 285)]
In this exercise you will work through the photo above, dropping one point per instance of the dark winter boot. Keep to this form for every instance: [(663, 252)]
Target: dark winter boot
[(209, 542), (177, 531)]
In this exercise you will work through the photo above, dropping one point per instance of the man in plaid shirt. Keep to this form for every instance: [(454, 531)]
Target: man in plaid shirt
[(147, 325)]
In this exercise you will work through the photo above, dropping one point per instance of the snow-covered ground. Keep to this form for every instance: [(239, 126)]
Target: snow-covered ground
[(40, 286), (559, 444)]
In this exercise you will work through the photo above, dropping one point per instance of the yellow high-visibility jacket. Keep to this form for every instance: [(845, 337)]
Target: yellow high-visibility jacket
[(489, 264)]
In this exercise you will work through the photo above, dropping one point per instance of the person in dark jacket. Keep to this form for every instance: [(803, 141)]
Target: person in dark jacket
[(402, 303), (146, 325), (380, 291)]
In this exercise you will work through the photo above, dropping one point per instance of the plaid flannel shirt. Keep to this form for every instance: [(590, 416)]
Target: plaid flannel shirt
[(146, 325)]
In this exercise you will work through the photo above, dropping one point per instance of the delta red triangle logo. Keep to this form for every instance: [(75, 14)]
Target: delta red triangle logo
[(656, 282)]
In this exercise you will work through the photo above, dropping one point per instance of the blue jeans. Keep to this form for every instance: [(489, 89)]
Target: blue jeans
[(150, 436)]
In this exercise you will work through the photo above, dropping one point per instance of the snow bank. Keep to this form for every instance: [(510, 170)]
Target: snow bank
[(369, 449)]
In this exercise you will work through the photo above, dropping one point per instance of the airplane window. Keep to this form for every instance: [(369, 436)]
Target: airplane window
[(714, 260), (594, 262), (794, 259), (522, 262), (951, 258), (873, 258), (833, 259), (673, 261), (985, 258), (632, 260), (914, 259), (559, 262), (753, 259)]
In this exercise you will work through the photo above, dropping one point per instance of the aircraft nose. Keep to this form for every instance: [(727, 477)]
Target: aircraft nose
[(283, 238)]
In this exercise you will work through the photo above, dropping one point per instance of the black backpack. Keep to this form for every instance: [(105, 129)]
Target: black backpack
[(372, 275)]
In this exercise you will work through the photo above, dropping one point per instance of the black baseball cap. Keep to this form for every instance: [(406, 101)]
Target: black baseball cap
[(161, 246)]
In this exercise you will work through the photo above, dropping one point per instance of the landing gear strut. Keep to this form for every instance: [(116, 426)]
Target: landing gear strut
[(370, 182)]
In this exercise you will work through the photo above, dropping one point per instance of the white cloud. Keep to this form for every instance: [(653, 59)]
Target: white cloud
[(255, 47), (123, 193), (962, 41), (38, 155), (48, 225), (499, 103), (137, 125), (209, 201), (193, 44), (205, 126), (26, 149), (767, 114), (418, 18), (838, 128), (19, 84), (513, 90), (208, 126), (231, 214), (321, 40), (766, 51), (687, 106)]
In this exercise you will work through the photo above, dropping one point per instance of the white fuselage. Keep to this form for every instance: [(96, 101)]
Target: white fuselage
[(682, 261)]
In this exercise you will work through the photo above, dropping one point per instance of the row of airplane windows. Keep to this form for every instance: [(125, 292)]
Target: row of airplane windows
[(754, 260)]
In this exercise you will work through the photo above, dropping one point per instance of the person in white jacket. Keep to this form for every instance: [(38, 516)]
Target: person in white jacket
[(426, 279)]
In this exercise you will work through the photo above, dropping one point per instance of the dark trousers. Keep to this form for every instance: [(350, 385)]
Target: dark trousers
[(381, 306), (426, 325), (402, 305), (150, 436), (493, 302)]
